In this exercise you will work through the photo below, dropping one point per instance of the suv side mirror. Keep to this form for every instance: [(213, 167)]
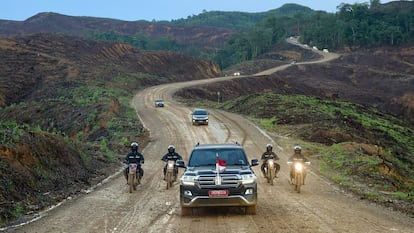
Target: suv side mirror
[(255, 162), (180, 163)]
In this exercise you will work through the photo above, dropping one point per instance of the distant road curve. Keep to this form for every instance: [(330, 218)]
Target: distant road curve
[(326, 56)]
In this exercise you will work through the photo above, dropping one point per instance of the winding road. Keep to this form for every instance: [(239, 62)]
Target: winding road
[(320, 207)]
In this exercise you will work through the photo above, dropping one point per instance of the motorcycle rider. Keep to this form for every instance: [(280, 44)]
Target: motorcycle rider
[(134, 157), (171, 155), (269, 154), (297, 155)]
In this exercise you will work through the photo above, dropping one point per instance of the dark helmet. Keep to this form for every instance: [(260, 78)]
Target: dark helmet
[(297, 148), (171, 149), (134, 146), (269, 147)]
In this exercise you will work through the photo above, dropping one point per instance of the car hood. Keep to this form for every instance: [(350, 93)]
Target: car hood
[(210, 170), (199, 116)]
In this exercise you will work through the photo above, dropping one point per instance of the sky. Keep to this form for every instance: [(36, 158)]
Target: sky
[(131, 10)]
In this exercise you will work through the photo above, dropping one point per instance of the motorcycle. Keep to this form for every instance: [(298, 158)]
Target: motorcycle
[(298, 173), (134, 177), (170, 173), (270, 170)]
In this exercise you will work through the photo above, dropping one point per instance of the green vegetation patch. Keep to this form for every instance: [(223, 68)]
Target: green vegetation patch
[(374, 174), (371, 152)]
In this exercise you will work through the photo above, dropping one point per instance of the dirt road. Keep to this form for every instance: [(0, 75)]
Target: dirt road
[(320, 207)]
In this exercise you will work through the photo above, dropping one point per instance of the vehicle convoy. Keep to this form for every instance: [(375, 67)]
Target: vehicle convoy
[(171, 168), (270, 171), (297, 176), (270, 167), (170, 173), (199, 117), (297, 163), (133, 171), (133, 177), (218, 175)]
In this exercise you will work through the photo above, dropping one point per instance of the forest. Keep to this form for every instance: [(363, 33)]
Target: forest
[(352, 26)]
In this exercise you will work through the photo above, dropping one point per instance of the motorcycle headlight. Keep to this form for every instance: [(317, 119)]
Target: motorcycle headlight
[(187, 180), (298, 166), (248, 178)]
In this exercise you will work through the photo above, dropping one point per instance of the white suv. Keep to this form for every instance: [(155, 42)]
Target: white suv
[(199, 117)]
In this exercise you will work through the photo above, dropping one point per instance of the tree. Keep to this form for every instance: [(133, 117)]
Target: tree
[(374, 3)]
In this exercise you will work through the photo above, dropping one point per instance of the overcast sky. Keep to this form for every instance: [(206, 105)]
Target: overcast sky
[(132, 10)]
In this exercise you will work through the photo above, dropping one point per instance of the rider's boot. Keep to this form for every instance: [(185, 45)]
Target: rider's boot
[(139, 178), (277, 170)]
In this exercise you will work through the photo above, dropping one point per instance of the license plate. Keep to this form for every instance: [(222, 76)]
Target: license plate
[(218, 193)]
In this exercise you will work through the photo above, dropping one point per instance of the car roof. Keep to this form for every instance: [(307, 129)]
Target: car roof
[(199, 110), (199, 146)]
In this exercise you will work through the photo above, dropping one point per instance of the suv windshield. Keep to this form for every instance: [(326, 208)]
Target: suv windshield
[(207, 157), (200, 112)]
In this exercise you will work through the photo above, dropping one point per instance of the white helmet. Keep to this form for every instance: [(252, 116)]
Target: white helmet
[(171, 148), (269, 145), (134, 146), (297, 147)]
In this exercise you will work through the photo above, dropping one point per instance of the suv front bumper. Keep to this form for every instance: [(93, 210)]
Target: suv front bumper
[(193, 196)]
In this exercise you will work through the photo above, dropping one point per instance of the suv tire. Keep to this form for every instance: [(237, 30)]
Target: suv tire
[(186, 211), (250, 210)]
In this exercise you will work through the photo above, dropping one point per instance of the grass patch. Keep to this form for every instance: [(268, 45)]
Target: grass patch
[(356, 166)]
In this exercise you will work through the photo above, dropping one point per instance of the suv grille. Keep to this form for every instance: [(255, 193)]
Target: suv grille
[(227, 180)]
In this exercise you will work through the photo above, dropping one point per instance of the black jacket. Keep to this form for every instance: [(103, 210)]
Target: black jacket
[(134, 157), (171, 156), (269, 155)]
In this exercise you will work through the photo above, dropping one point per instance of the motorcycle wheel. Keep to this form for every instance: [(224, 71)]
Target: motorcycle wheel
[(131, 182), (136, 180), (169, 180), (271, 176), (298, 181), (267, 175)]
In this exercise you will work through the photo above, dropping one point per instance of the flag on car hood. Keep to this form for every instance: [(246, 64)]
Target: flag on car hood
[(220, 164)]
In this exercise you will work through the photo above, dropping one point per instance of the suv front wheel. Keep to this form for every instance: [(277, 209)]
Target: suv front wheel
[(250, 210), (186, 211)]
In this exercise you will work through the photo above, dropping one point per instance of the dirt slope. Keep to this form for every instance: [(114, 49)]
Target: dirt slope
[(36, 68), (59, 97), (382, 78), (320, 207), (48, 22)]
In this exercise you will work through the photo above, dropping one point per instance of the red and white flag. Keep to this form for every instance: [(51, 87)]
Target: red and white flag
[(220, 164)]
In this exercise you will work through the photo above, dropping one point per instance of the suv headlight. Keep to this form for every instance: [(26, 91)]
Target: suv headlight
[(248, 178), (187, 180)]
